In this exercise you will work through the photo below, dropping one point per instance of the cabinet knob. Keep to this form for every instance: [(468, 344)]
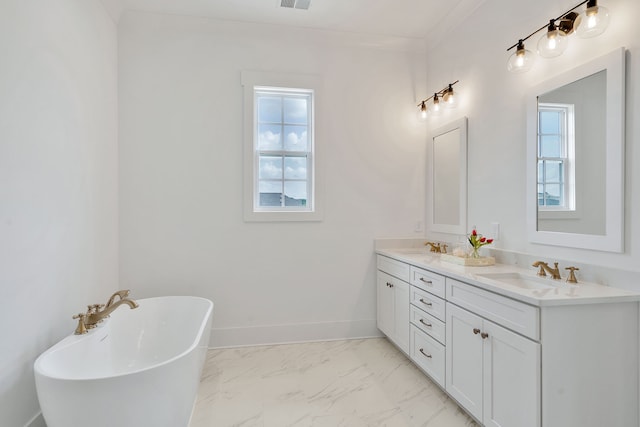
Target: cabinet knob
[(425, 354), (476, 331), (428, 325), (422, 279), (484, 335), (428, 304)]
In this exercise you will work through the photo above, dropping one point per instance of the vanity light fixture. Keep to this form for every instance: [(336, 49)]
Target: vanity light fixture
[(522, 60), (423, 110), (554, 42), (445, 96), (450, 99), (436, 103), (592, 22)]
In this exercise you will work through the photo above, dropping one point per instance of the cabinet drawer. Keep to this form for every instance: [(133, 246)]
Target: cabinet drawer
[(393, 267), (428, 354), (429, 324), (428, 302), (428, 281), (517, 316)]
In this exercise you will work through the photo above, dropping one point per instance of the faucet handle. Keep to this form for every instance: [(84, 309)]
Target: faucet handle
[(81, 328), (572, 274), (94, 308)]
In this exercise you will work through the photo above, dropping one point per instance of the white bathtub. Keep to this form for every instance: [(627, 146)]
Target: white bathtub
[(139, 368)]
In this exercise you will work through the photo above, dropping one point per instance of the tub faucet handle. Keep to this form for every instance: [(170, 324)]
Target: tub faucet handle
[(94, 308), (81, 328)]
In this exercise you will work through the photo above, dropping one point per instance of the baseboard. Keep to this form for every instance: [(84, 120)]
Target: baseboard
[(36, 421), (292, 333)]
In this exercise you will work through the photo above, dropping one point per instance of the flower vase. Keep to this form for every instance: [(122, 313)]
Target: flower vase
[(475, 253)]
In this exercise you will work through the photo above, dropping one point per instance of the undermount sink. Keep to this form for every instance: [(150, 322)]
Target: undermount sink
[(520, 280)]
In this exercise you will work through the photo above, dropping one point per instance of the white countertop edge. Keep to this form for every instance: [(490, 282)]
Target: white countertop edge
[(563, 294)]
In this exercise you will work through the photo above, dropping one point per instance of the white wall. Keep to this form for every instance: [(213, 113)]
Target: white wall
[(494, 101), (58, 181), (182, 230)]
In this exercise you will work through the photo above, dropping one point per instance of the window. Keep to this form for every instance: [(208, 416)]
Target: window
[(283, 141), (281, 180), (556, 157)]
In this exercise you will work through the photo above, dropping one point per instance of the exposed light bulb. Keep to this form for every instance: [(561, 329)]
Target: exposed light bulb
[(593, 21), (521, 61), (436, 103), (423, 110), (450, 98), (553, 42)]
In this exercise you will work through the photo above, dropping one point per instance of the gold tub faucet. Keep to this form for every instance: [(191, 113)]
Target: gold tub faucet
[(98, 312), (544, 268)]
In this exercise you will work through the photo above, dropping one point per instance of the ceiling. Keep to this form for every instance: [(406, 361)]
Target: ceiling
[(403, 18)]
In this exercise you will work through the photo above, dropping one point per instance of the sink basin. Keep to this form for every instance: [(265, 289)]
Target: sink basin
[(520, 280)]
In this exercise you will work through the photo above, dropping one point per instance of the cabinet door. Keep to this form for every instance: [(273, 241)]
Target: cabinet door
[(511, 379), (464, 359), (402, 315), (385, 315)]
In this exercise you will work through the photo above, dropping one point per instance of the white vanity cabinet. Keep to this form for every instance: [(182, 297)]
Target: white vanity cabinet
[(393, 301), (491, 371), (427, 316), (559, 357)]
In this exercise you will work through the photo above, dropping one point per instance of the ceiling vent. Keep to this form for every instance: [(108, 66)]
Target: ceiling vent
[(295, 4)]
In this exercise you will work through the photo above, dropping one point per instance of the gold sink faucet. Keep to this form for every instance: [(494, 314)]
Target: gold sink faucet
[(544, 269), (435, 247), (98, 312)]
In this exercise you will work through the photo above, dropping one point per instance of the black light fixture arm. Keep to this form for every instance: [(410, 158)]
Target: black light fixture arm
[(591, 4), (439, 93)]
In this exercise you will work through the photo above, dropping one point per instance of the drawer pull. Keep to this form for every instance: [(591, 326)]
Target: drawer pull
[(428, 304), (476, 331), (425, 354), (390, 285), (484, 335), (428, 325), (422, 279)]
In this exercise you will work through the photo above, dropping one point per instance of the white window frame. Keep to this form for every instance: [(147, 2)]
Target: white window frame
[(567, 159), (251, 82)]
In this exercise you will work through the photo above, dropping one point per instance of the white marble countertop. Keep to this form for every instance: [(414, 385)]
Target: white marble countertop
[(561, 292)]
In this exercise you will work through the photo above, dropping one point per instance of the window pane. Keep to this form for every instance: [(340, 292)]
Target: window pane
[(270, 193), (550, 122), (295, 193), (295, 111), (553, 195), (540, 171), (270, 167), (295, 138), (540, 195), (295, 168), (269, 137), (550, 146), (554, 171), (269, 109)]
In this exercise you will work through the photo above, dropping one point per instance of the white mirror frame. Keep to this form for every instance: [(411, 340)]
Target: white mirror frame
[(461, 228), (613, 239)]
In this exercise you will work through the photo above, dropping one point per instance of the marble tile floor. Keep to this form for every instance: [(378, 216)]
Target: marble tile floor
[(353, 383)]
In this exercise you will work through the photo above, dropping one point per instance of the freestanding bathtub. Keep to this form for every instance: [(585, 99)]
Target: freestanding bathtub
[(139, 368)]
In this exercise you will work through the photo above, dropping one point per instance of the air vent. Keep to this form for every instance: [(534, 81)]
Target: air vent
[(295, 4)]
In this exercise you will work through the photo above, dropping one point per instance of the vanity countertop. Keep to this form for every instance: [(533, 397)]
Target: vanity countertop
[(560, 292)]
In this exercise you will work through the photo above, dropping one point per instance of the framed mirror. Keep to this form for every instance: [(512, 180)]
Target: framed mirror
[(575, 157), (447, 160)]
